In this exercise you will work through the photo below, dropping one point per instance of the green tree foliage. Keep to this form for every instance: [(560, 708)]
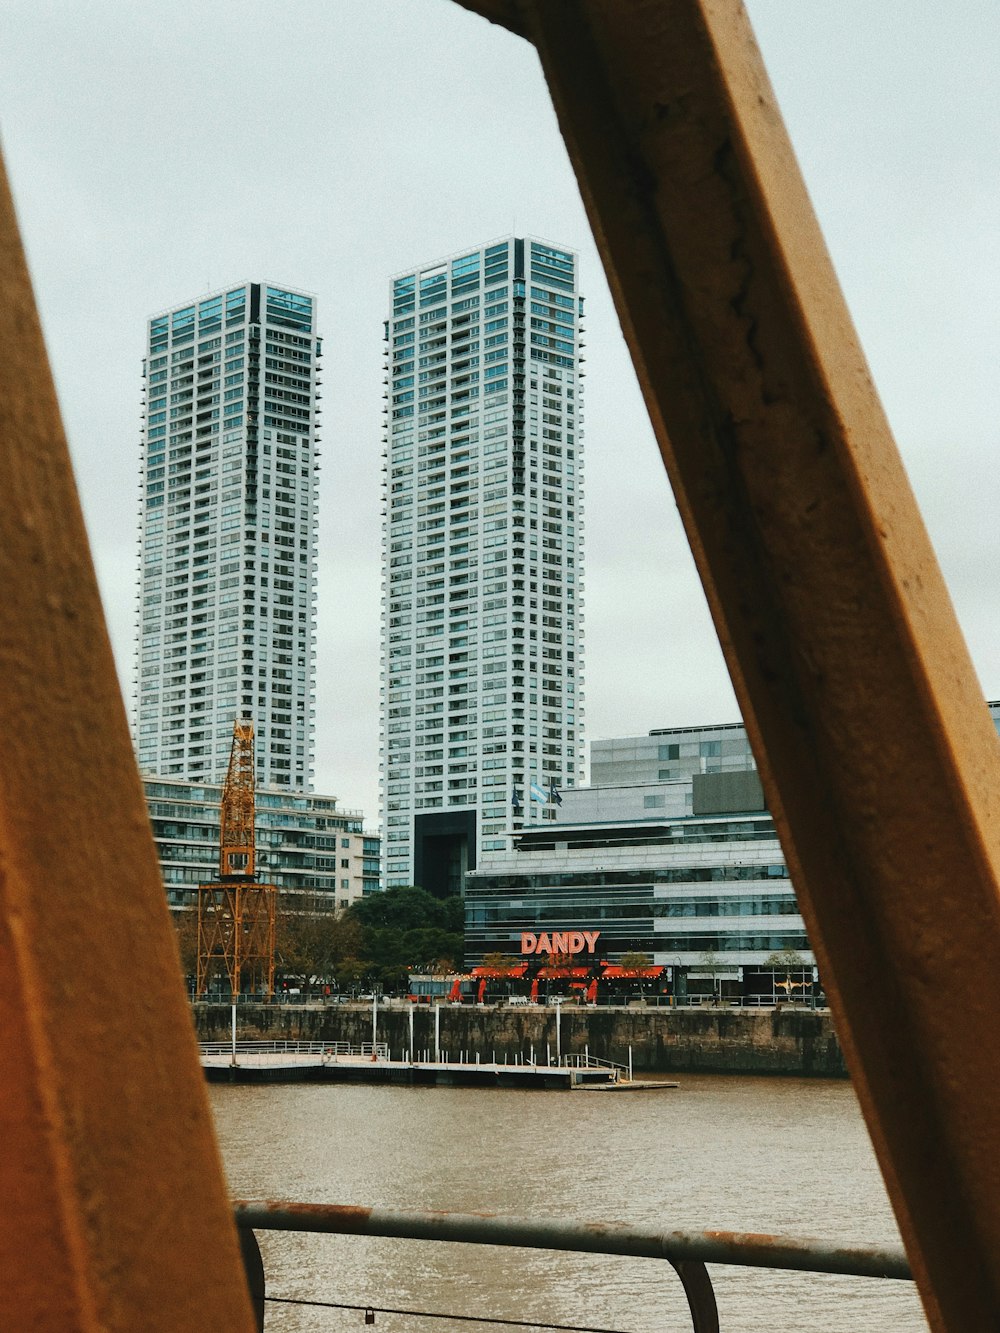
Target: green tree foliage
[(409, 930), (380, 940), (410, 909)]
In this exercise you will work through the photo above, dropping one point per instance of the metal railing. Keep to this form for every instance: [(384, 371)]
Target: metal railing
[(687, 1252), (333, 1049), (327, 1049), (584, 1060)]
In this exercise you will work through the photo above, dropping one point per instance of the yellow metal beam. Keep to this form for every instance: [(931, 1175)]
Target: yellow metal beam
[(877, 754), (114, 1205)]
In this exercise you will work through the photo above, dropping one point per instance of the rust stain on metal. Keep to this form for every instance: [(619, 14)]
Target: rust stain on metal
[(678, 1247), (878, 757), (115, 1215)]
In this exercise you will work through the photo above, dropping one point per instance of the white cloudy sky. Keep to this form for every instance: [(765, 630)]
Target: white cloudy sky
[(160, 151)]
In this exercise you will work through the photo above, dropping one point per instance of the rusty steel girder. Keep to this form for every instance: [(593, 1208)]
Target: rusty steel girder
[(115, 1214), (878, 757)]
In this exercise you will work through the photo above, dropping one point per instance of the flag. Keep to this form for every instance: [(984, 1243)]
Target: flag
[(515, 801), (554, 794), (538, 794)]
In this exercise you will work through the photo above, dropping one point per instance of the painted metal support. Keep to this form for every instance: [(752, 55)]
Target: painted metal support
[(115, 1212), (878, 757)]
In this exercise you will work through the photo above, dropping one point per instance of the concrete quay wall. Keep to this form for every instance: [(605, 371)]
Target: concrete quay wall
[(664, 1041)]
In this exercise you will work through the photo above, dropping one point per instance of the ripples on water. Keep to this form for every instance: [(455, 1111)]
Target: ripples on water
[(772, 1155)]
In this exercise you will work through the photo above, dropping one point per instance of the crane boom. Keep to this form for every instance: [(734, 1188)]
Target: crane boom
[(237, 837)]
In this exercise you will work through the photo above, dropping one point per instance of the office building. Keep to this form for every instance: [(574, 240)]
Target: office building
[(318, 855), (482, 707), (675, 856), (228, 535), (645, 777), (708, 898)]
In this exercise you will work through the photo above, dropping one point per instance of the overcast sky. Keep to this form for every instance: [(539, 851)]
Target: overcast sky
[(161, 151)]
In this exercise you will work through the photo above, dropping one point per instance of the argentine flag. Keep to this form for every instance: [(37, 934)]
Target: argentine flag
[(538, 794)]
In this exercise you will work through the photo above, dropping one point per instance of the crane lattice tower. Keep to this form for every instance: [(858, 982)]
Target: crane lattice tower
[(237, 916)]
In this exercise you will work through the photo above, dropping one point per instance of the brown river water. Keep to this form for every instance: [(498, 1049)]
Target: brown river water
[(748, 1154)]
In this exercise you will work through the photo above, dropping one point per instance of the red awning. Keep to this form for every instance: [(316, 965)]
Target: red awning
[(550, 973), (500, 972), (613, 970)]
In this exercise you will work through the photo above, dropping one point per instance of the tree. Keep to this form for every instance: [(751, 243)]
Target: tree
[(407, 930), (560, 961), (314, 945), (409, 908), (711, 962), (501, 962), (787, 961), (635, 961), (352, 972), (186, 929)]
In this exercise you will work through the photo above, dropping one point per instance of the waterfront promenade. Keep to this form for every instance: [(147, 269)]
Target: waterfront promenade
[(786, 1041)]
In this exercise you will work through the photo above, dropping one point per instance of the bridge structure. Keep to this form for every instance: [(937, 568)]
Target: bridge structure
[(846, 656)]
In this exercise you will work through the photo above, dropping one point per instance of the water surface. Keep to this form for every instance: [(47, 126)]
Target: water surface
[(749, 1154)]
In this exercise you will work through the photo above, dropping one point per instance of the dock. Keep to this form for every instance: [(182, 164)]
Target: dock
[(336, 1062)]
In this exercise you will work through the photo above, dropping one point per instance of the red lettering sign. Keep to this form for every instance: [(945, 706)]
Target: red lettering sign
[(560, 941)]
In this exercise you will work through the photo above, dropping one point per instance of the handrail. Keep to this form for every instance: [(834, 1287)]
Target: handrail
[(328, 1049), (573, 1060), (686, 1251), (743, 1248), (584, 1060)]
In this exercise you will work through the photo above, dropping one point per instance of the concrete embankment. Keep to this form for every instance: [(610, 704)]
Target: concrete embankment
[(663, 1041)]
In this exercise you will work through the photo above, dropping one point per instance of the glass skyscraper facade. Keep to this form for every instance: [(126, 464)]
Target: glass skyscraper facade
[(482, 706), (227, 580)]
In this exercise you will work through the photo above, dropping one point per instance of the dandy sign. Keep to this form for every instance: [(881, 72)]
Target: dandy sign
[(559, 941)]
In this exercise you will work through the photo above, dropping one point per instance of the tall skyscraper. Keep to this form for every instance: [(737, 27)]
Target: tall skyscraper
[(482, 708), (228, 535)]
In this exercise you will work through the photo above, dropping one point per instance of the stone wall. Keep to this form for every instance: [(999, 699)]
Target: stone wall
[(663, 1041)]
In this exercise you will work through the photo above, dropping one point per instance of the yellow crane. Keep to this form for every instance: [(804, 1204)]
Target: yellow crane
[(237, 916)]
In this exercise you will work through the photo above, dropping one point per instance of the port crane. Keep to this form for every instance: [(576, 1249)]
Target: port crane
[(237, 915)]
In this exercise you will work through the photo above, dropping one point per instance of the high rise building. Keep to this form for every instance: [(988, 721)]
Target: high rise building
[(317, 855), (228, 535), (482, 707)]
